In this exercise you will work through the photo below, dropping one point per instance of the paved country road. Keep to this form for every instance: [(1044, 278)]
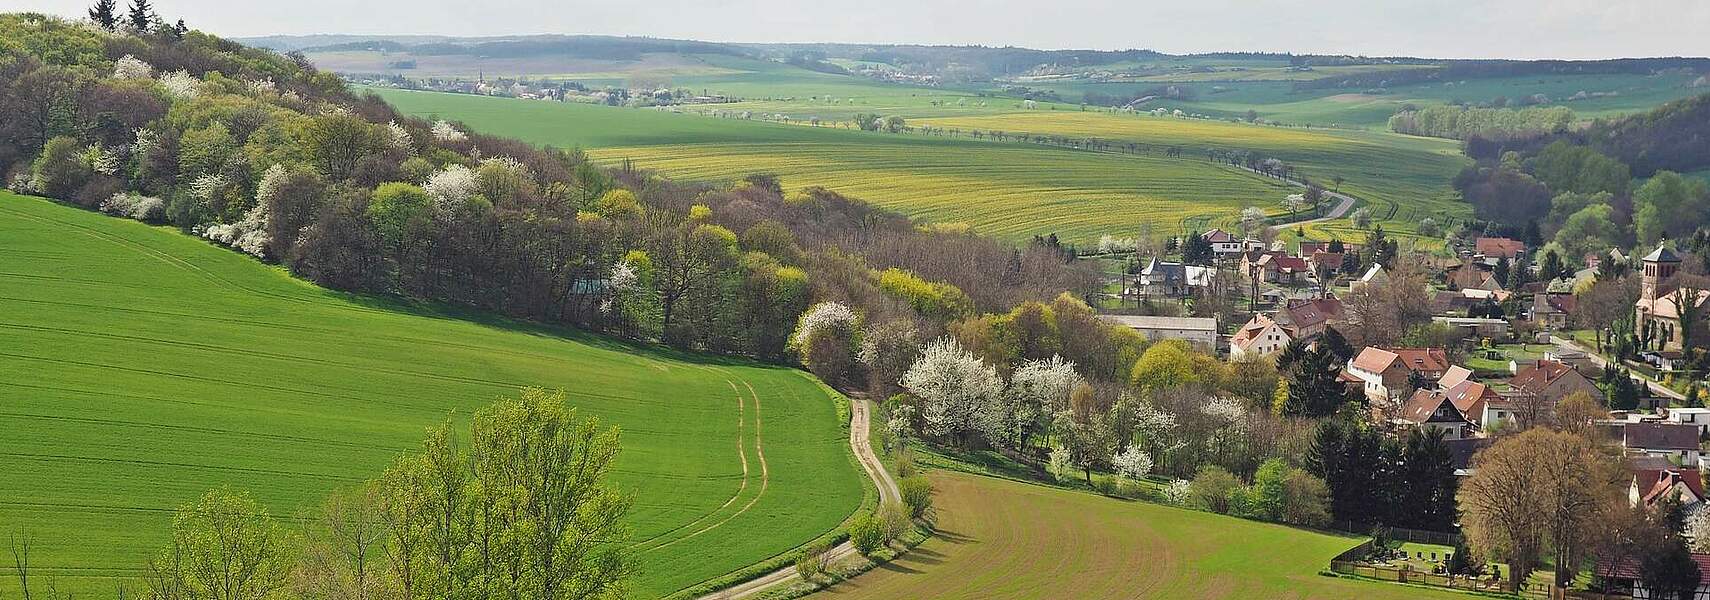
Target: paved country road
[(858, 427), (1602, 363)]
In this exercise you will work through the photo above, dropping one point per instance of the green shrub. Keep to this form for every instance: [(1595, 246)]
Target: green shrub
[(867, 533), (917, 495)]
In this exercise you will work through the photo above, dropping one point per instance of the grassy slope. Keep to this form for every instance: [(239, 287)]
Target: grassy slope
[(1004, 539), (1010, 190), (141, 367)]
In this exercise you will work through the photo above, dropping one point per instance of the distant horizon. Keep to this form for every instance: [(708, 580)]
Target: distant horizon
[(498, 36), (1444, 29)]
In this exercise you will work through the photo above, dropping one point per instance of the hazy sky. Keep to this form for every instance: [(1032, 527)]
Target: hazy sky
[(1432, 28)]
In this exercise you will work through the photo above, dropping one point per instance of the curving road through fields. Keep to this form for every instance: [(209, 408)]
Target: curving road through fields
[(859, 424)]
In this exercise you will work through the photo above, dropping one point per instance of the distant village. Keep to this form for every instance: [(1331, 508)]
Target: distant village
[(1504, 348)]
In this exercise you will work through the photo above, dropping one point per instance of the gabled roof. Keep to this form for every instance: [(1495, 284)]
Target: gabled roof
[(1659, 436), (1254, 330), (1330, 260), (1536, 376), (1454, 375), (1373, 359), (1372, 274), (1423, 359), (1500, 247), (1312, 313), (1543, 304), (1430, 406), (1664, 482), (1217, 236), (1627, 567)]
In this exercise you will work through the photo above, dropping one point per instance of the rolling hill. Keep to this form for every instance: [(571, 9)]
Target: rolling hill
[(142, 367)]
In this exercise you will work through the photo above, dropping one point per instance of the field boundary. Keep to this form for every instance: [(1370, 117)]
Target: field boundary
[(888, 492)]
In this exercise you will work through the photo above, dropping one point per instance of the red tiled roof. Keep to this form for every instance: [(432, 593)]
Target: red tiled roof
[(1470, 396), (1373, 359), (1536, 376), (1423, 359), (1217, 235), (1664, 481), (1498, 247), (1314, 312), (1330, 260), (1628, 567)]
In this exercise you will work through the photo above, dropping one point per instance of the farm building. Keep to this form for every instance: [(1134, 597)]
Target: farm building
[(1200, 332)]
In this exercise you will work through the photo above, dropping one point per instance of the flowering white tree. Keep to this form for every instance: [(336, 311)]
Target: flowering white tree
[(1133, 463), (821, 317), (180, 84), (1252, 220), (956, 389), (444, 131), (1062, 464), (1038, 390), (102, 160), (262, 87), (1698, 529), (131, 67), (248, 234), (1177, 491), (135, 206), (451, 187), (399, 138), (1109, 244), (1294, 202)]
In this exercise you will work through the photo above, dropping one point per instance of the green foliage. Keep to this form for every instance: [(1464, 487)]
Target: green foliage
[(1462, 122), (1213, 488), (61, 169), (204, 151), (224, 545), (396, 208), (1569, 168), (1171, 364), (935, 300), (916, 495), (868, 534), (1669, 206)]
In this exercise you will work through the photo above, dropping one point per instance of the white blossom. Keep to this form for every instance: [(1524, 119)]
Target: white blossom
[(821, 316), (1109, 244), (180, 84), (956, 389), (135, 206), (101, 160), (446, 132), (398, 137), (131, 67), (1698, 529), (1045, 383), (147, 141), (451, 186), (261, 86), (205, 187), (1176, 492), (248, 234), (271, 179), (1133, 463), (1062, 465), (22, 183), (1225, 408)]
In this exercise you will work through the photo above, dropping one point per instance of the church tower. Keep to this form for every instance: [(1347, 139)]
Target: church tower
[(1660, 266)]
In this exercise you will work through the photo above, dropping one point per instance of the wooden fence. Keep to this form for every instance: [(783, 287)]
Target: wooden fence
[(1532, 589)]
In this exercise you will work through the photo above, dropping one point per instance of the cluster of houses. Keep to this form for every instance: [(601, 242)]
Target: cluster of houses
[(1423, 387)]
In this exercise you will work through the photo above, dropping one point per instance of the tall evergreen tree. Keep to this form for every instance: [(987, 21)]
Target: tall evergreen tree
[(105, 13), (141, 17), (1428, 472)]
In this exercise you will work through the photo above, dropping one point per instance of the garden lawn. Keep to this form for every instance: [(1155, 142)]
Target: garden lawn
[(140, 367), (1004, 539)]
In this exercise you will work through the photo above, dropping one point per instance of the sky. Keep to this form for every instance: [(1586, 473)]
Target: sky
[(1569, 29)]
